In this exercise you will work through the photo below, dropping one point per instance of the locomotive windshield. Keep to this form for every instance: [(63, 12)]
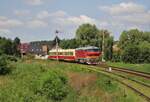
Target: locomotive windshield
[(93, 50)]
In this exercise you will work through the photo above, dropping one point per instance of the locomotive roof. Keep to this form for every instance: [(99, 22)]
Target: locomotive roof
[(86, 48)]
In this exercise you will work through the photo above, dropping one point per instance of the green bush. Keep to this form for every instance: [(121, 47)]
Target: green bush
[(53, 85), (116, 57), (4, 69), (12, 58), (137, 53)]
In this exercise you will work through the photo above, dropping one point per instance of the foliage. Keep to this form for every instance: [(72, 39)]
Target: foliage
[(87, 34), (116, 57), (6, 46), (27, 80), (15, 46), (53, 85), (144, 55), (130, 54), (135, 46), (69, 44), (9, 47), (4, 69), (108, 48)]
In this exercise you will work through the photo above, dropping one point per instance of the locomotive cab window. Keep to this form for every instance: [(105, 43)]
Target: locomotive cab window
[(93, 50)]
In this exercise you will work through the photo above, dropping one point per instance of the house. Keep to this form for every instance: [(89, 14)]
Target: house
[(40, 47), (24, 48)]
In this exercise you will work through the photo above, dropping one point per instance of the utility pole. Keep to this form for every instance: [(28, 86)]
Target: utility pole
[(103, 46), (56, 44)]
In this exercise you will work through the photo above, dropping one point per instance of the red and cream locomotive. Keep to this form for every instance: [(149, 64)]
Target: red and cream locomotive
[(88, 55)]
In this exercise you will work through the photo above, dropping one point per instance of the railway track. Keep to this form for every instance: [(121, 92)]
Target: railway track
[(127, 82), (137, 86), (133, 72), (132, 84)]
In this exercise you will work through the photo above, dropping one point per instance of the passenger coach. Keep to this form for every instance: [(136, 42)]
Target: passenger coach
[(88, 55)]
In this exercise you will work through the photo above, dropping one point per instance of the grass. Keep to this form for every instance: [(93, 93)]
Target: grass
[(137, 67), (85, 85)]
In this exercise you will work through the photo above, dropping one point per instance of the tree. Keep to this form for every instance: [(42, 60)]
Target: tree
[(108, 48), (134, 46), (144, 55), (57, 39), (87, 34), (6, 46), (4, 69), (9, 47), (69, 44), (133, 36), (130, 54), (15, 45)]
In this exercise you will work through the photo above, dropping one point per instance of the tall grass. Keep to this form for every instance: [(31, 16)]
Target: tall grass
[(46, 81)]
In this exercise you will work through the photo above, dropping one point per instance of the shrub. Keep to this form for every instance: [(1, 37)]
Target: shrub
[(53, 85), (116, 57), (3, 65)]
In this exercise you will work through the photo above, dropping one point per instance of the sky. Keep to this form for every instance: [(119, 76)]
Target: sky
[(33, 20)]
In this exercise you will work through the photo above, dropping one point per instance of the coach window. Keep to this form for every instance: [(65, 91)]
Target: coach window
[(70, 53), (65, 53), (60, 53)]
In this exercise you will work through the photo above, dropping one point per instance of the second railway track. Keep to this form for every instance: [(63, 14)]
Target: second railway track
[(133, 72), (138, 87)]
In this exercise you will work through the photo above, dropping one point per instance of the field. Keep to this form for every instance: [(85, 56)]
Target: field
[(137, 67), (29, 81)]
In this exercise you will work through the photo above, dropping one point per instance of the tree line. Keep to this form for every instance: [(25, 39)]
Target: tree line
[(90, 35), (9, 47), (133, 46), (8, 52)]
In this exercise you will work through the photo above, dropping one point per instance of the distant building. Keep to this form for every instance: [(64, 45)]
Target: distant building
[(40, 47), (24, 48), (115, 47)]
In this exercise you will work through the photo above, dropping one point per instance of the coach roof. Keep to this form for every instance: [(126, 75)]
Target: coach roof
[(86, 48)]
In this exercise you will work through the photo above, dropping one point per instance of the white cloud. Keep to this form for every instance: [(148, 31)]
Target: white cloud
[(6, 23), (127, 15), (34, 2), (103, 24), (81, 19), (3, 18), (43, 14), (74, 20), (21, 12), (137, 19), (36, 24), (124, 8), (5, 31), (59, 13)]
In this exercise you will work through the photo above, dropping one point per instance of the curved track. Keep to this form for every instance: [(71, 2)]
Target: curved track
[(127, 82), (133, 72), (138, 87)]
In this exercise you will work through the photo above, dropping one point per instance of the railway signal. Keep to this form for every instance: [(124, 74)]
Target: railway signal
[(57, 44), (103, 46)]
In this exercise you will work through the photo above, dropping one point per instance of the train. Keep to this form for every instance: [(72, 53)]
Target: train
[(87, 55)]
